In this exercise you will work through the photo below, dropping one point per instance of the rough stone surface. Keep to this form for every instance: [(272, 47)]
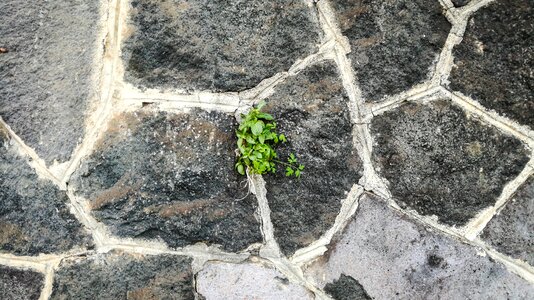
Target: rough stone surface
[(439, 162), (512, 230), (34, 217), (170, 176), (393, 258), (216, 45), (494, 62), (246, 281), (121, 276), (45, 75), (460, 3), (346, 288), (312, 111), (20, 284), (394, 43)]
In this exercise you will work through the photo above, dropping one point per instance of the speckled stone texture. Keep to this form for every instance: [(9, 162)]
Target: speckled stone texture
[(394, 43), (393, 258), (20, 284), (460, 3), (311, 109), (157, 175), (346, 288), (122, 276), (34, 217), (247, 281), (494, 62), (440, 162), (512, 231), (45, 76), (216, 45)]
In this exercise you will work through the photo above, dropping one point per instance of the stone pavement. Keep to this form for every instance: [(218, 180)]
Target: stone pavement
[(415, 120)]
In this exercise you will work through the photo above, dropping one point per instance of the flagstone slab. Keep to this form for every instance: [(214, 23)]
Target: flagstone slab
[(394, 44), (311, 109), (494, 62), (34, 214), (123, 276), (47, 72), (18, 284), (170, 176), (392, 257), (438, 161), (511, 231), (218, 46)]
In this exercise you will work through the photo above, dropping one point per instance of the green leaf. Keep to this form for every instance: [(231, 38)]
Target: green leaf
[(297, 173), (265, 116), (282, 138), (289, 171), (250, 140), (257, 128), (240, 169), (260, 105), (262, 138), (301, 167)]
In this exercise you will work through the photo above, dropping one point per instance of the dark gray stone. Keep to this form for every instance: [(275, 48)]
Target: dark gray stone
[(512, 230), (346, 288), (121, 276), (395, 258), (494, 62), (394, 43), (440, 162), (170, 176), (45, 75), (34, 217), (460, 3), (311, 109), (216, 45), (20, 284)]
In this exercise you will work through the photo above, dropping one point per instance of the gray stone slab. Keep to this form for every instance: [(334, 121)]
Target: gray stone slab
[(346, 288), (494, 62), (216, 45), (311, 109), (45, 75), (394, 258), (440, 162), (34, 217), (121, 276), (158, 175), (20, 284), (394, 43), (512, 230), (247, 281), (460, 3)]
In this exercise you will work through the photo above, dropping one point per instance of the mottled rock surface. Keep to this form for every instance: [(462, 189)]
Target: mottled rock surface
[(311, 109), (170, 176), (440, 162), (346, 288), (494, 62), (393, 258), (394, 43), (246, 281), (216, 45), (512, 231), (121, 276), (34, 217), (45, 75), (460, 3), (20, 284)]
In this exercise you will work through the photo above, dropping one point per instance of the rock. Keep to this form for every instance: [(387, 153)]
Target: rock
[(494, 62), (311, 109), (34, 217), (122, 276), (395, 44), (20, 284), (460, 3), (246, 281), (394, 258), (157, 175), (512, 230), (440, 162), (218, 46), (346, 288), (46, 75)]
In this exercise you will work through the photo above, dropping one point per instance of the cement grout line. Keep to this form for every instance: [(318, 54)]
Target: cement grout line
[(319, 247), (48, 285), (472, 6)]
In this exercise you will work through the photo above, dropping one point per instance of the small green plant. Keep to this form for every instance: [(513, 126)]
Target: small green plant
[(255, 137)]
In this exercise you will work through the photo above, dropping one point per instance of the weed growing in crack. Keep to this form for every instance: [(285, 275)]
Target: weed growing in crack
[(256, 137)]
